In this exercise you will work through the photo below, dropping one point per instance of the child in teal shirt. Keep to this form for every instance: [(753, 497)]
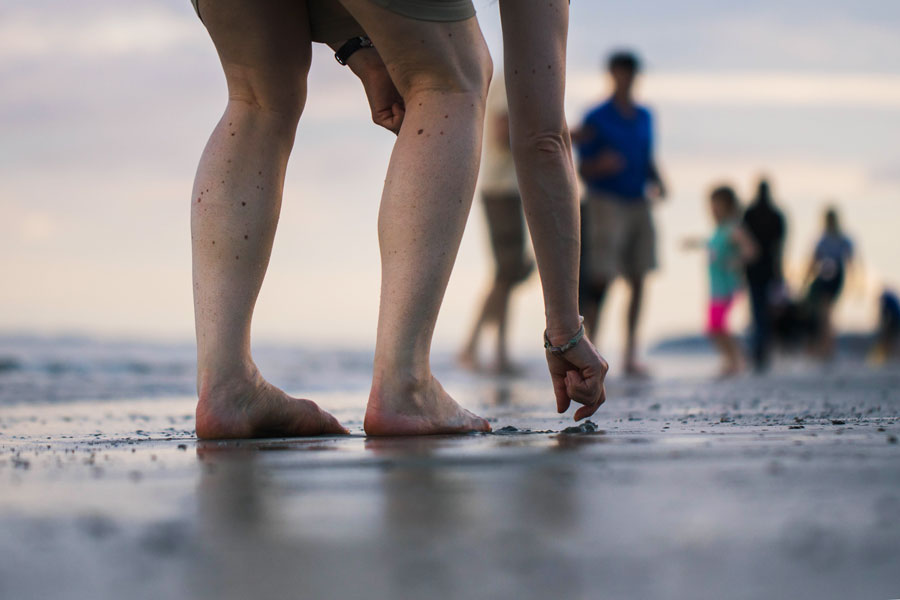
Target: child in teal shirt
[(728, 249)]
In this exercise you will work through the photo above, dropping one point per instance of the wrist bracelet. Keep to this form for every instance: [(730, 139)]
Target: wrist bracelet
[(351, 46), (560, 350)]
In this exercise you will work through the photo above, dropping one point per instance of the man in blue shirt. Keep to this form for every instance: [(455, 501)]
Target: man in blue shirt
[(615, 155)]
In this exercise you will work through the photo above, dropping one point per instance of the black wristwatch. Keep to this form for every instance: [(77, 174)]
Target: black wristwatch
[(351, 46)]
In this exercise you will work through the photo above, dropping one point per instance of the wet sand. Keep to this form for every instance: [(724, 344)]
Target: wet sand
[(779, 487)]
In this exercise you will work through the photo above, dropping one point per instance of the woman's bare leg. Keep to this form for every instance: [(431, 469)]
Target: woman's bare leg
[(265, 53), (442, 71)]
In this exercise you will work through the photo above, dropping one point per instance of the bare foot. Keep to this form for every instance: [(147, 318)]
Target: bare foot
[(417, 408), (252, 407), (730, 371)]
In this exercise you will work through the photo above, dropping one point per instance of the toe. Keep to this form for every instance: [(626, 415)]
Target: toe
[(477, 423), (332, 425)]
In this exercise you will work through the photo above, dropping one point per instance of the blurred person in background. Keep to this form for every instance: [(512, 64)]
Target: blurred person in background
[(729, 250), (887, 331), (825, 276), (617, 164), (765, 224), (506, 227)]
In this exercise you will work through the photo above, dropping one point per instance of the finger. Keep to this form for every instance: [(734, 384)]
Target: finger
[(588, 410), (398, 113), (562, 396), (581, 390), (383, 118)]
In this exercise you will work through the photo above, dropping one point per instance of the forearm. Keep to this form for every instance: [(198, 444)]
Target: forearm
[(549, 197), (534, 33)]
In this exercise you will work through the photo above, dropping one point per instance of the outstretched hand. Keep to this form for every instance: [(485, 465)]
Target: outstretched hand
[(579, 375), (385, 101)]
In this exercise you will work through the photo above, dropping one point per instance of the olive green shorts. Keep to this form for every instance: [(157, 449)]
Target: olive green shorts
[(430, 10), (329, 22)]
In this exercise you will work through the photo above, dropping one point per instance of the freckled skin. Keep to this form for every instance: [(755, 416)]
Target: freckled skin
[(425, 202), (535, 33), (265, 52), (233, 398)]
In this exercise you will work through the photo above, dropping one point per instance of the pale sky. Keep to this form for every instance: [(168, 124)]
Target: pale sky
[(105, 107)]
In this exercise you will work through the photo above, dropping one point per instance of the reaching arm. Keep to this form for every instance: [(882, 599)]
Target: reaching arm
[(811, 271), (534, 34), (747, 246), (693, 243)]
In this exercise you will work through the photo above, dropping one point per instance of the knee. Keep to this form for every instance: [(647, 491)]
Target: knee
[(465, 71), (279, 95)]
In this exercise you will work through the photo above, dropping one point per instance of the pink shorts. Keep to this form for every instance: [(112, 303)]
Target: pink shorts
[(718, 314)]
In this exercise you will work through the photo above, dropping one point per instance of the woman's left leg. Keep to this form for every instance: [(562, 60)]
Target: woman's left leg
[(442, 71)]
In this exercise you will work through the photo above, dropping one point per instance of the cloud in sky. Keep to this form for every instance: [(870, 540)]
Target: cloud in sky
[(761, 89), (30, 35)]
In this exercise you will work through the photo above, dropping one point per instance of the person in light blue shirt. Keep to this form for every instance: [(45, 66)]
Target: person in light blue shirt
[(827, 271), (616, 162)]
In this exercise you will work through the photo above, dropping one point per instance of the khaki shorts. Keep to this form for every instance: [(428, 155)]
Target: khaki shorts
[(431, 10), (506, 226), (618, 238)]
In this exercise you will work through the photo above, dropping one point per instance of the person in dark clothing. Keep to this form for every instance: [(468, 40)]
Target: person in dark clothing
[(766, 225), (887, 334)]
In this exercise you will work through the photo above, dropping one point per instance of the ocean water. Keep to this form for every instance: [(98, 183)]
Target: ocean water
[(55, 369), (37, 369)]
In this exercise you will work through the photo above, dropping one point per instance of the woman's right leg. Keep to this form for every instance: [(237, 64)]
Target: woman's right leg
[(442, 71), (265, 52)]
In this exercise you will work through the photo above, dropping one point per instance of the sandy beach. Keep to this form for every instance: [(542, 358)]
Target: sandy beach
[(780, 487)]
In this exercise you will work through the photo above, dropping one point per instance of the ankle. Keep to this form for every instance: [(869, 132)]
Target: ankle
[(212, 382), (397, 380)]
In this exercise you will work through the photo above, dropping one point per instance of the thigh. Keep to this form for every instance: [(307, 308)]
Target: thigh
[(431, 55), (264, 48)]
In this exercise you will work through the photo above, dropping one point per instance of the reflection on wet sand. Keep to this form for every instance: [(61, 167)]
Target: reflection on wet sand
[(438, 515)]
